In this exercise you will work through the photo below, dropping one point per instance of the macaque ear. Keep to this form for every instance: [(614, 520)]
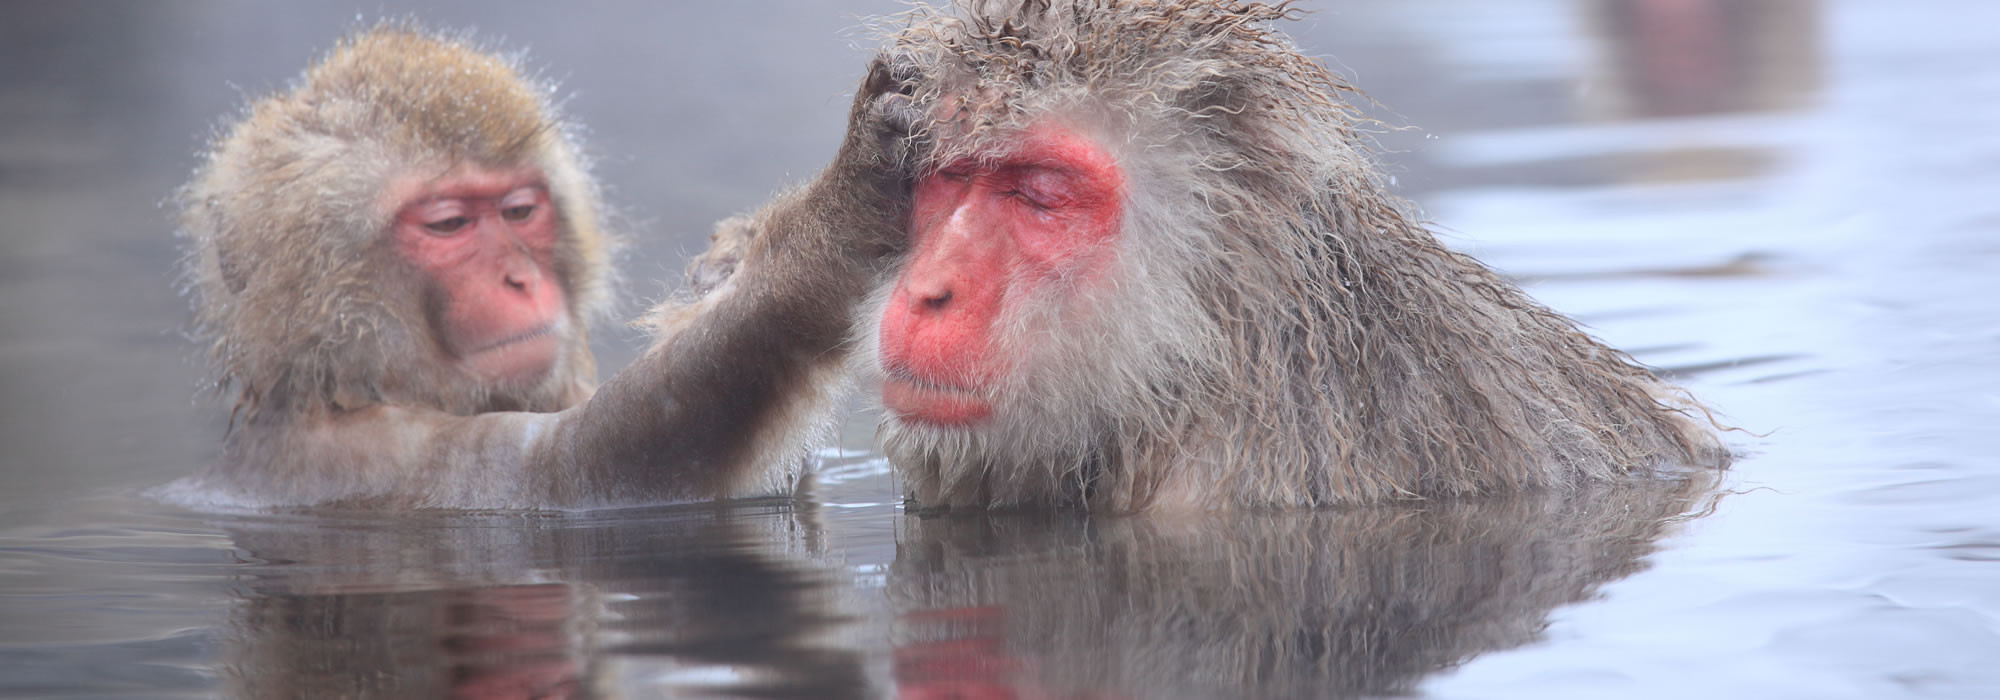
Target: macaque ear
[(234, 277)]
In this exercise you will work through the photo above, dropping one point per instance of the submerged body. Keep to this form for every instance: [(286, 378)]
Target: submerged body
[(1154, 266)]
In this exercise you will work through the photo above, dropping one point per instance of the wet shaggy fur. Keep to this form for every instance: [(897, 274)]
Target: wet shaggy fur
[(351, 400), (297, 289), (1279, 329)]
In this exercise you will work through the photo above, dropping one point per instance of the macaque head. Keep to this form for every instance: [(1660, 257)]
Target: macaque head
[(1037, 226), (409, 225), (1093, 241), (1028, 326)]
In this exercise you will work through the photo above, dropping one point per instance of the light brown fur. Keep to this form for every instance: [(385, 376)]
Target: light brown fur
[(345, 395), (1285, 331), (304, 306)]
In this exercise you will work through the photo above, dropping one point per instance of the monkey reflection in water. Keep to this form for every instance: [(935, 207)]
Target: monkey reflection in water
[(395, 264), (708, 603), (1358, 602)]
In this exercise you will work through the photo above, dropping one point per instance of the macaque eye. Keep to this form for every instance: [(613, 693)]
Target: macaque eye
[(446, 227), (518, 213), (1044, 191), (1031, 199)]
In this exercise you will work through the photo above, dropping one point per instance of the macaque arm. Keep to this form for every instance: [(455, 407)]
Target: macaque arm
[(738, 385), (708, 412), (712, 411)]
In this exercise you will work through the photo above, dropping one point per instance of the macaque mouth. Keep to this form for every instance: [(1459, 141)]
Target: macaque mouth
[(522, 357), (912, 398), (546, 330)]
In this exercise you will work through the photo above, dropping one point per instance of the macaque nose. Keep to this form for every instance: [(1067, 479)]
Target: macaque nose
[(521, 274), (932, 283), (518, 269), (944, 262)]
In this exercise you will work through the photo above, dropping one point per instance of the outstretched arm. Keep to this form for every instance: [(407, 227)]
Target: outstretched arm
[(742, 385)]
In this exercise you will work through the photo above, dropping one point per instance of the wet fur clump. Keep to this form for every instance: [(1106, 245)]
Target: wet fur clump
[(296, 288), (1279, 329)]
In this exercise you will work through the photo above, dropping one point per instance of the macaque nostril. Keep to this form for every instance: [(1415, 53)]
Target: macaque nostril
[(937, 302)]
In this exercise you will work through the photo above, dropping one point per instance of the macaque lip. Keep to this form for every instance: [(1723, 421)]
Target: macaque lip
[(924, 402), (525, 356)]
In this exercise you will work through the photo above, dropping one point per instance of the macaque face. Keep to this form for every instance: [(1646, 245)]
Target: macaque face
[(990, 236), (486, 240)]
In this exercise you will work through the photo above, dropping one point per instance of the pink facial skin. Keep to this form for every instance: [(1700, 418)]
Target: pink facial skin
[(487, 240), (983, 233)]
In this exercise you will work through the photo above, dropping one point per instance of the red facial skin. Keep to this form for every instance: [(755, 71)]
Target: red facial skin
[(985, 234), (487, 239)]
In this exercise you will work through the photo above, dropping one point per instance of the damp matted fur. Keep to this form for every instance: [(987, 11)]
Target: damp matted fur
[(1278, 329)]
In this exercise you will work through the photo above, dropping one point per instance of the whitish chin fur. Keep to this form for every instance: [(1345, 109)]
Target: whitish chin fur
[(1000, 462)]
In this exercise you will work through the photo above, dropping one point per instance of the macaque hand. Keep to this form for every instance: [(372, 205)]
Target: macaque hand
[(872, 177), (885, 110)]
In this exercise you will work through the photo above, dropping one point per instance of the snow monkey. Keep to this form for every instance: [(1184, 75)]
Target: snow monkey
[(395, 263), (1154, 265)]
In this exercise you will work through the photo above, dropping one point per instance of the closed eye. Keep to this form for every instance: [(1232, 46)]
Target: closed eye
[(1026, 198), (449, 226), (518, 213)]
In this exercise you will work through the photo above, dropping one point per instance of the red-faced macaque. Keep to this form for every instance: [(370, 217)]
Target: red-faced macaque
[(396, 263), (1155, 266)]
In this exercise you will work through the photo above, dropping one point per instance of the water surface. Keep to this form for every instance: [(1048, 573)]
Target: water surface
[(1788, 205)]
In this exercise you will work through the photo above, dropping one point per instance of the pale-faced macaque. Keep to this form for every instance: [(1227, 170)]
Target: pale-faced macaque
[(396, 261), (1154, 265), (649, 603)]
